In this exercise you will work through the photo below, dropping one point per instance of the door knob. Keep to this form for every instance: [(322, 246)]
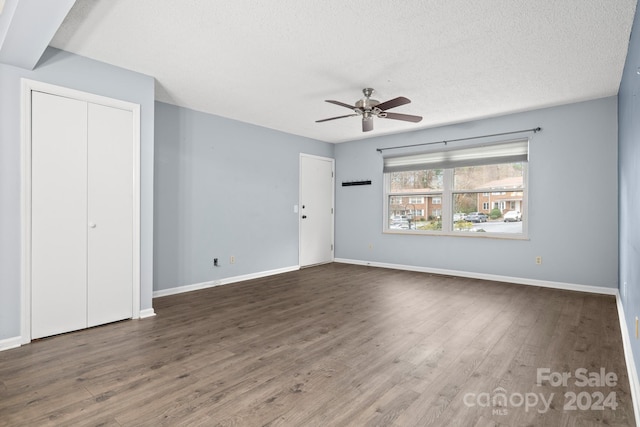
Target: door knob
[(92, 224)]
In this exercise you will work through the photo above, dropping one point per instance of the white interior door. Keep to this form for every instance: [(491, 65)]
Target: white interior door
[(316, 210), (110, 220), (82, 214), (59, 215)]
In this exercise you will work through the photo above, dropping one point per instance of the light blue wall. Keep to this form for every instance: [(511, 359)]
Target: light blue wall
[(65, 69), (572, 201), (223, 188), (629, 147)]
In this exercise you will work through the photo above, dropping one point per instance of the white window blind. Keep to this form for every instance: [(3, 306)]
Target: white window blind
[(503, 152)]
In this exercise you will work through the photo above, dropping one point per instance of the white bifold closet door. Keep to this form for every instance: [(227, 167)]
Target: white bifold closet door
[(82, 214)]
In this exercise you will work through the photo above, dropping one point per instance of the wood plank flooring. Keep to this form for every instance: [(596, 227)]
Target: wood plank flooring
[(333, 345)]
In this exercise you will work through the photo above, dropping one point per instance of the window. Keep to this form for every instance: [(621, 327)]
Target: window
[(463, 191), (402, 188)]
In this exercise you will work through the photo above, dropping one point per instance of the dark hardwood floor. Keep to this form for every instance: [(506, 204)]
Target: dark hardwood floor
[(333, 345)]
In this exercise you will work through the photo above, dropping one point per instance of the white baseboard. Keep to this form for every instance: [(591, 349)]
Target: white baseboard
[(147, 312), (494, 277), (632, 372), (9, 343), (15, 342), (225, 281)]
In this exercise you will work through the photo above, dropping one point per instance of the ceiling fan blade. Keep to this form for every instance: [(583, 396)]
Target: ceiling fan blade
[(333, 118), (367, 124), (342, 104), (392, 103), (405, 117)]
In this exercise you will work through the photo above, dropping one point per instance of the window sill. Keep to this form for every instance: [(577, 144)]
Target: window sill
[(472, 235)]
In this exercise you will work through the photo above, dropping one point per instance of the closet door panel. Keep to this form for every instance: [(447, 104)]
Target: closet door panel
[(59, 215), (110, 214)]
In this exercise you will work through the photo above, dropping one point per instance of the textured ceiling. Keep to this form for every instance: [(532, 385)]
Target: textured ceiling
[(273, 63)]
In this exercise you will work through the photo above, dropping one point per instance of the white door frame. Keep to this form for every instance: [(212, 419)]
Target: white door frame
[(29, 86), (333, 202)]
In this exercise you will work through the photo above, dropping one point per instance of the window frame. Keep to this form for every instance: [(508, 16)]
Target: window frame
[(447, 194)]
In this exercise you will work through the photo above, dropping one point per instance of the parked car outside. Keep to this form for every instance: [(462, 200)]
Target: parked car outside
[(476, 217), (399, 222), (512, 216), (460, 216)]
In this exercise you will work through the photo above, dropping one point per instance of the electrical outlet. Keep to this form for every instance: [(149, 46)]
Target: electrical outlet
[(538, 260), (232, 259)]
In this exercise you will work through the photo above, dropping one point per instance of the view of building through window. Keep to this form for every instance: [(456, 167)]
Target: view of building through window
[(484, 198)]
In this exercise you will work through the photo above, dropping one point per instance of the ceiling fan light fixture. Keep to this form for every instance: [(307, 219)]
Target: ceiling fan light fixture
[(367, 123)]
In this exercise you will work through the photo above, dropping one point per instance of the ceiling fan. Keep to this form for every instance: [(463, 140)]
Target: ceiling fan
[(368, 108)]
